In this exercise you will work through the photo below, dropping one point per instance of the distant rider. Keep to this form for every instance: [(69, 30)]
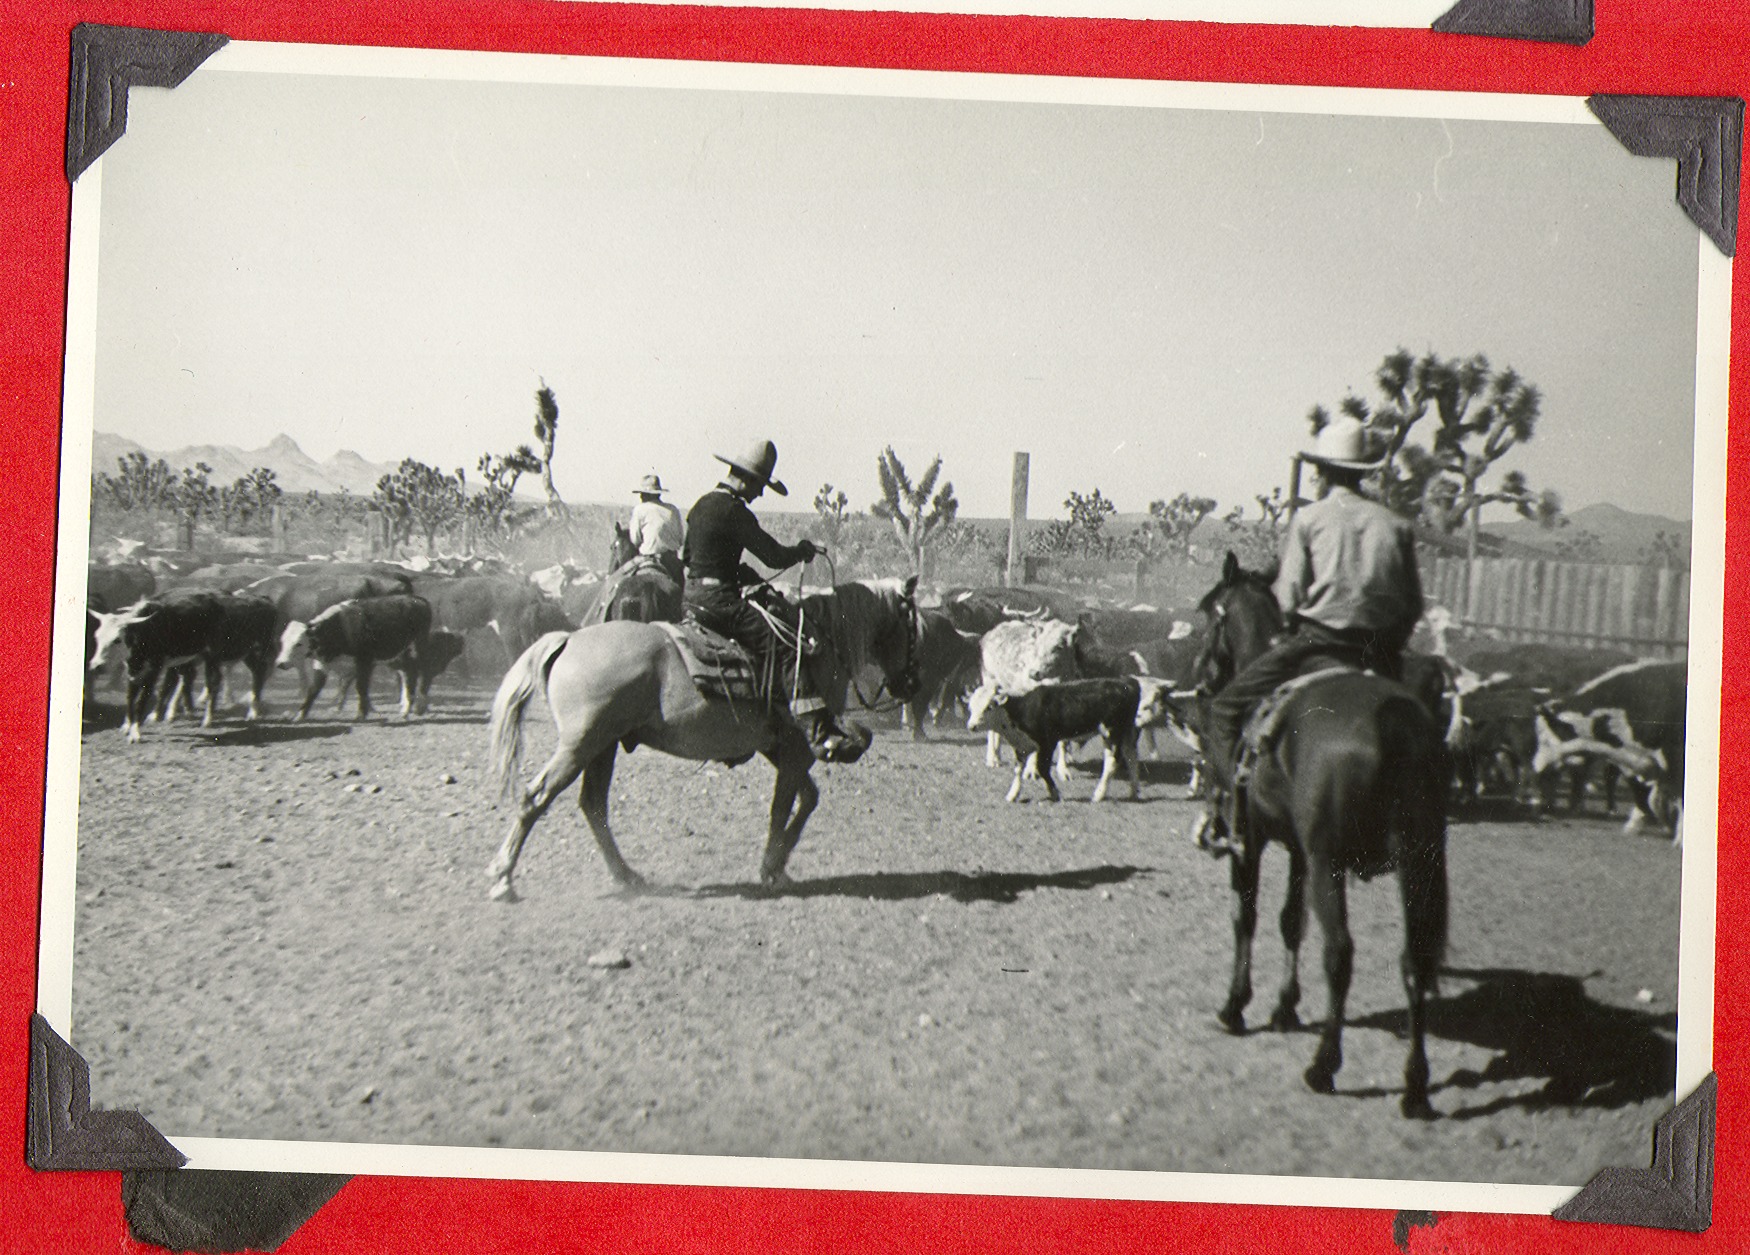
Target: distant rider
[(657, 529), (1347, 585), (720, 528)]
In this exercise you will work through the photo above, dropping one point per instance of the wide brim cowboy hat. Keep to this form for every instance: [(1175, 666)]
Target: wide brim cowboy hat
[(757, 464), (1346, 444), (651, 484)]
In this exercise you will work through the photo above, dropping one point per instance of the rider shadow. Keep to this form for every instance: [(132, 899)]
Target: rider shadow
[(1000, 887), (1543, 1026)]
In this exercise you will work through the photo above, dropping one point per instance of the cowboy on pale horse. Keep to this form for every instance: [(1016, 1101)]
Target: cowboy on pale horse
[(729, 597), (657, 530), (1349, 592)]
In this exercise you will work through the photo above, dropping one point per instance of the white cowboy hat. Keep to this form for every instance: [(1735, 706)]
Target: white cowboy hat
[(1346, 444), (649, 484), (757, 464)]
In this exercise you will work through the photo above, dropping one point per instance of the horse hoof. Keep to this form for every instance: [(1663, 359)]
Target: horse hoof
[(1285, 1020), (1319, 1080), (776, 882), (502, 891), (1233, 1021), (1417, 1107)]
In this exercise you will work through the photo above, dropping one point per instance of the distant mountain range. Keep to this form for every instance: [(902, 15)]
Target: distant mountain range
[(294, 470), (1622, 535)]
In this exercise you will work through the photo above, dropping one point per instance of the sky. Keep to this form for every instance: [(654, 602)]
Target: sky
[(1146, 300)]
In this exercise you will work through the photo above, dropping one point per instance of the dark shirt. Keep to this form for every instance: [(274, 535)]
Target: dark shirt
[(720, 528)]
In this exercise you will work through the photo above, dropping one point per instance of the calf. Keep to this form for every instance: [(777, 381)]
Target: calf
[(367, 631), (1036, 721), (428, 661), (1023, 653)]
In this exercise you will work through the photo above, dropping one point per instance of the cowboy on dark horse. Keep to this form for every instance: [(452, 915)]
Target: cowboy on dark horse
[(1348, 589), (721, 588), (656, 529)]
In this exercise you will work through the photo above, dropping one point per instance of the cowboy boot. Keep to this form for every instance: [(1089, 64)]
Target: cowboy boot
[(831, 743)]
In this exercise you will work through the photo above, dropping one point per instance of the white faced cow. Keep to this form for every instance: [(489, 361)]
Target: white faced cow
[(168, 634), (363, 632), (1633, 717)]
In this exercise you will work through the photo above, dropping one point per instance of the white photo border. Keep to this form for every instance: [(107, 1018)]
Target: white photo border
[(1699, 862)]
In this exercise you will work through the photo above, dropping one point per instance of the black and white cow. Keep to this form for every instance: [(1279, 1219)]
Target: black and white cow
[(363, 632), (169, 634), (1633, 717), (1034, 722)]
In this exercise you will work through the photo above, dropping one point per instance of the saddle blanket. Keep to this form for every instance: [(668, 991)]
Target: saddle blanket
[(719, 667)]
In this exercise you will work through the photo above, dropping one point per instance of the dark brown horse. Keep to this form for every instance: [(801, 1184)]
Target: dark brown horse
[(1354, 782), (644, 593), (622, 684)]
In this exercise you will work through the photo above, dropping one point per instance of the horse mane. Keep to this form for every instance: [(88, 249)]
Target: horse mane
[(857, 612)]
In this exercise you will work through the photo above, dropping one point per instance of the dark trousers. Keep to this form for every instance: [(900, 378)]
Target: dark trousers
[(1309, 647), (722, 608)]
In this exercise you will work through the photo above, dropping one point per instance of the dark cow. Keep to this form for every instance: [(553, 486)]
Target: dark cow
[(228, 577), (168, 634), (1037, 721), (509, 606), (981, 609), (428, 661), (419, 666), (949, 663), (366, 632), (111, 586), (1633, 717)]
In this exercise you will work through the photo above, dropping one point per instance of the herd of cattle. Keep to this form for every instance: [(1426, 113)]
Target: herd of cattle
[(1031, 666)]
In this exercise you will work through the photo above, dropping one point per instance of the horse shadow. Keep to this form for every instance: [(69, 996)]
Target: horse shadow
[(1005, 888), (1544, 1026)]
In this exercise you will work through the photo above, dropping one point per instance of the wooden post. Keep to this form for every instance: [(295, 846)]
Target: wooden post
[(1294, 486), (1014, 572)]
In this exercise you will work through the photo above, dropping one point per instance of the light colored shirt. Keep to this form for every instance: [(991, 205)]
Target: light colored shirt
[(657, 527), (1347, 563)]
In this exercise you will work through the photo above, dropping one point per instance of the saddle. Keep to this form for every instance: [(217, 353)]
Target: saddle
[(1265, 725), (1256, 740), (720, 668)]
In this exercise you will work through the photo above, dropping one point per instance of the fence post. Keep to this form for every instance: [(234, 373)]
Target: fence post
[(1017, 521)]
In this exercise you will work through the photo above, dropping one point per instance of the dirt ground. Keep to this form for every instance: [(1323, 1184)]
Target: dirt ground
[(284, 932)]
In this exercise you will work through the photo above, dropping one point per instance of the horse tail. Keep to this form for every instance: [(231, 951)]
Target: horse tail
[(1418, 835), (527, 674)]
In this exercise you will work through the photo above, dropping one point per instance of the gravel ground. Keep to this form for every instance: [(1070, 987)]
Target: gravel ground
[(284, 932)]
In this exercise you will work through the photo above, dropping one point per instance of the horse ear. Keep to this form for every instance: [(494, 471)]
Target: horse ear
[(1231, 567), (911, 585)]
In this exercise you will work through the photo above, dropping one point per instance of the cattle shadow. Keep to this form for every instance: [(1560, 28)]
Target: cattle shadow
[(1544, 1026), (271, 734), (1005, 888)]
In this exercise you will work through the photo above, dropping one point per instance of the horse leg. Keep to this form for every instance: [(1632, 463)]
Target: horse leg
[(1286, 1017), (794, 797), (597, 776), (1244, 877), (1329, 903), (561, 769)]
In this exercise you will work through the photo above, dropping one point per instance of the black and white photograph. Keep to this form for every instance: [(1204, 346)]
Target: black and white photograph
[(868, 629)]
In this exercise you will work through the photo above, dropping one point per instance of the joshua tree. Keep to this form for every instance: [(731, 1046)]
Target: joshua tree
[(546, 430), (917, 515)]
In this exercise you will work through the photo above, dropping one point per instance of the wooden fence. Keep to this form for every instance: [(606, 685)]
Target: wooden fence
[(1642, 610)]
